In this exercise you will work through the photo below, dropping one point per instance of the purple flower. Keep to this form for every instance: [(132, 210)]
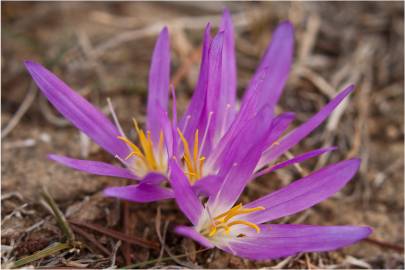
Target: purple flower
[(240, 229), (145, 164), (213, 135)]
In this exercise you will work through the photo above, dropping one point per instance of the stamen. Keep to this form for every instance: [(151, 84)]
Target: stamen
[(186, 123), (275, 143), (115, 118), (187, 155), (147, 160), (121, 160), (221, 221), (135, 150), (160, 148), (201, 164), (195, 150), (213, 231), (243, 211), (193, 163), (235, 208), (246, 223)]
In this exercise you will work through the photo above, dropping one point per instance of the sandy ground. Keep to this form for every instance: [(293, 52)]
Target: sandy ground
[(103, 50)]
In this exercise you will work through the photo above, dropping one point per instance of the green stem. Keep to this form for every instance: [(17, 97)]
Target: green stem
[(60, 218)]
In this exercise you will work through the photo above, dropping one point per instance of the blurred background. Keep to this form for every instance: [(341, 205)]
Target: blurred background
[(103, 50)]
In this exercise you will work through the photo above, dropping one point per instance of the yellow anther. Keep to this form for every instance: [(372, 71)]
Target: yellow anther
[(146, 153), (246, 223), (195, 150), (160, 146), (193, 162), (213, 231), (138, 130), (135, 150), (221, 221), (275, 143), (201, 164), (243, 211), (232, 210)]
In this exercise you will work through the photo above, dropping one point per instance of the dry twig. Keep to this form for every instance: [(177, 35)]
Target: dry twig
[(25, 105)]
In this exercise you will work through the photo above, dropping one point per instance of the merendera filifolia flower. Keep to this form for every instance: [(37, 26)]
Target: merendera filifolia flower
[(213, 133), (241, 230)]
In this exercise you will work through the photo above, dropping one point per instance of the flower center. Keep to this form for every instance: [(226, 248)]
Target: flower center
[(194, 162), (221, 221), (148, 158)]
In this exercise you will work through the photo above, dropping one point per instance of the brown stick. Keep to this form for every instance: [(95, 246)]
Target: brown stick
[(126, 248), (397, 248), (91, 239), (118, 235)]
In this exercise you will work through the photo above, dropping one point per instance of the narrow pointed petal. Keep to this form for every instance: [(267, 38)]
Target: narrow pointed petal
[(213, 105), (153, 178), (167, 129), (282, 240), (77, 110), (297, 159), (276, 63), (191, 233), (237, 170), (254, 132), (207, 186), (278, 126), (159, 76), (267, 83), (295, 136), (305, 192), (94, 167), (191, 119), (228, 75), (223, 156), (186, 199), (142, 193), (175, 140)]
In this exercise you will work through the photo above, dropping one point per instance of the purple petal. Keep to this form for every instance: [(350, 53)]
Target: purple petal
[(226, 110), (269, 79), (207, 185), (142, 193), (276, 63), (185, 197), (282, 240), (153, 178), (248, 135), (77, 110), (191, 233), (297, 159), (159, 76), (295, 136), (94, 167), (167, 129), (305, 192), (174, 125), (278, 126), (191, 119), (243, 156), (254, 132), (213, 106)]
